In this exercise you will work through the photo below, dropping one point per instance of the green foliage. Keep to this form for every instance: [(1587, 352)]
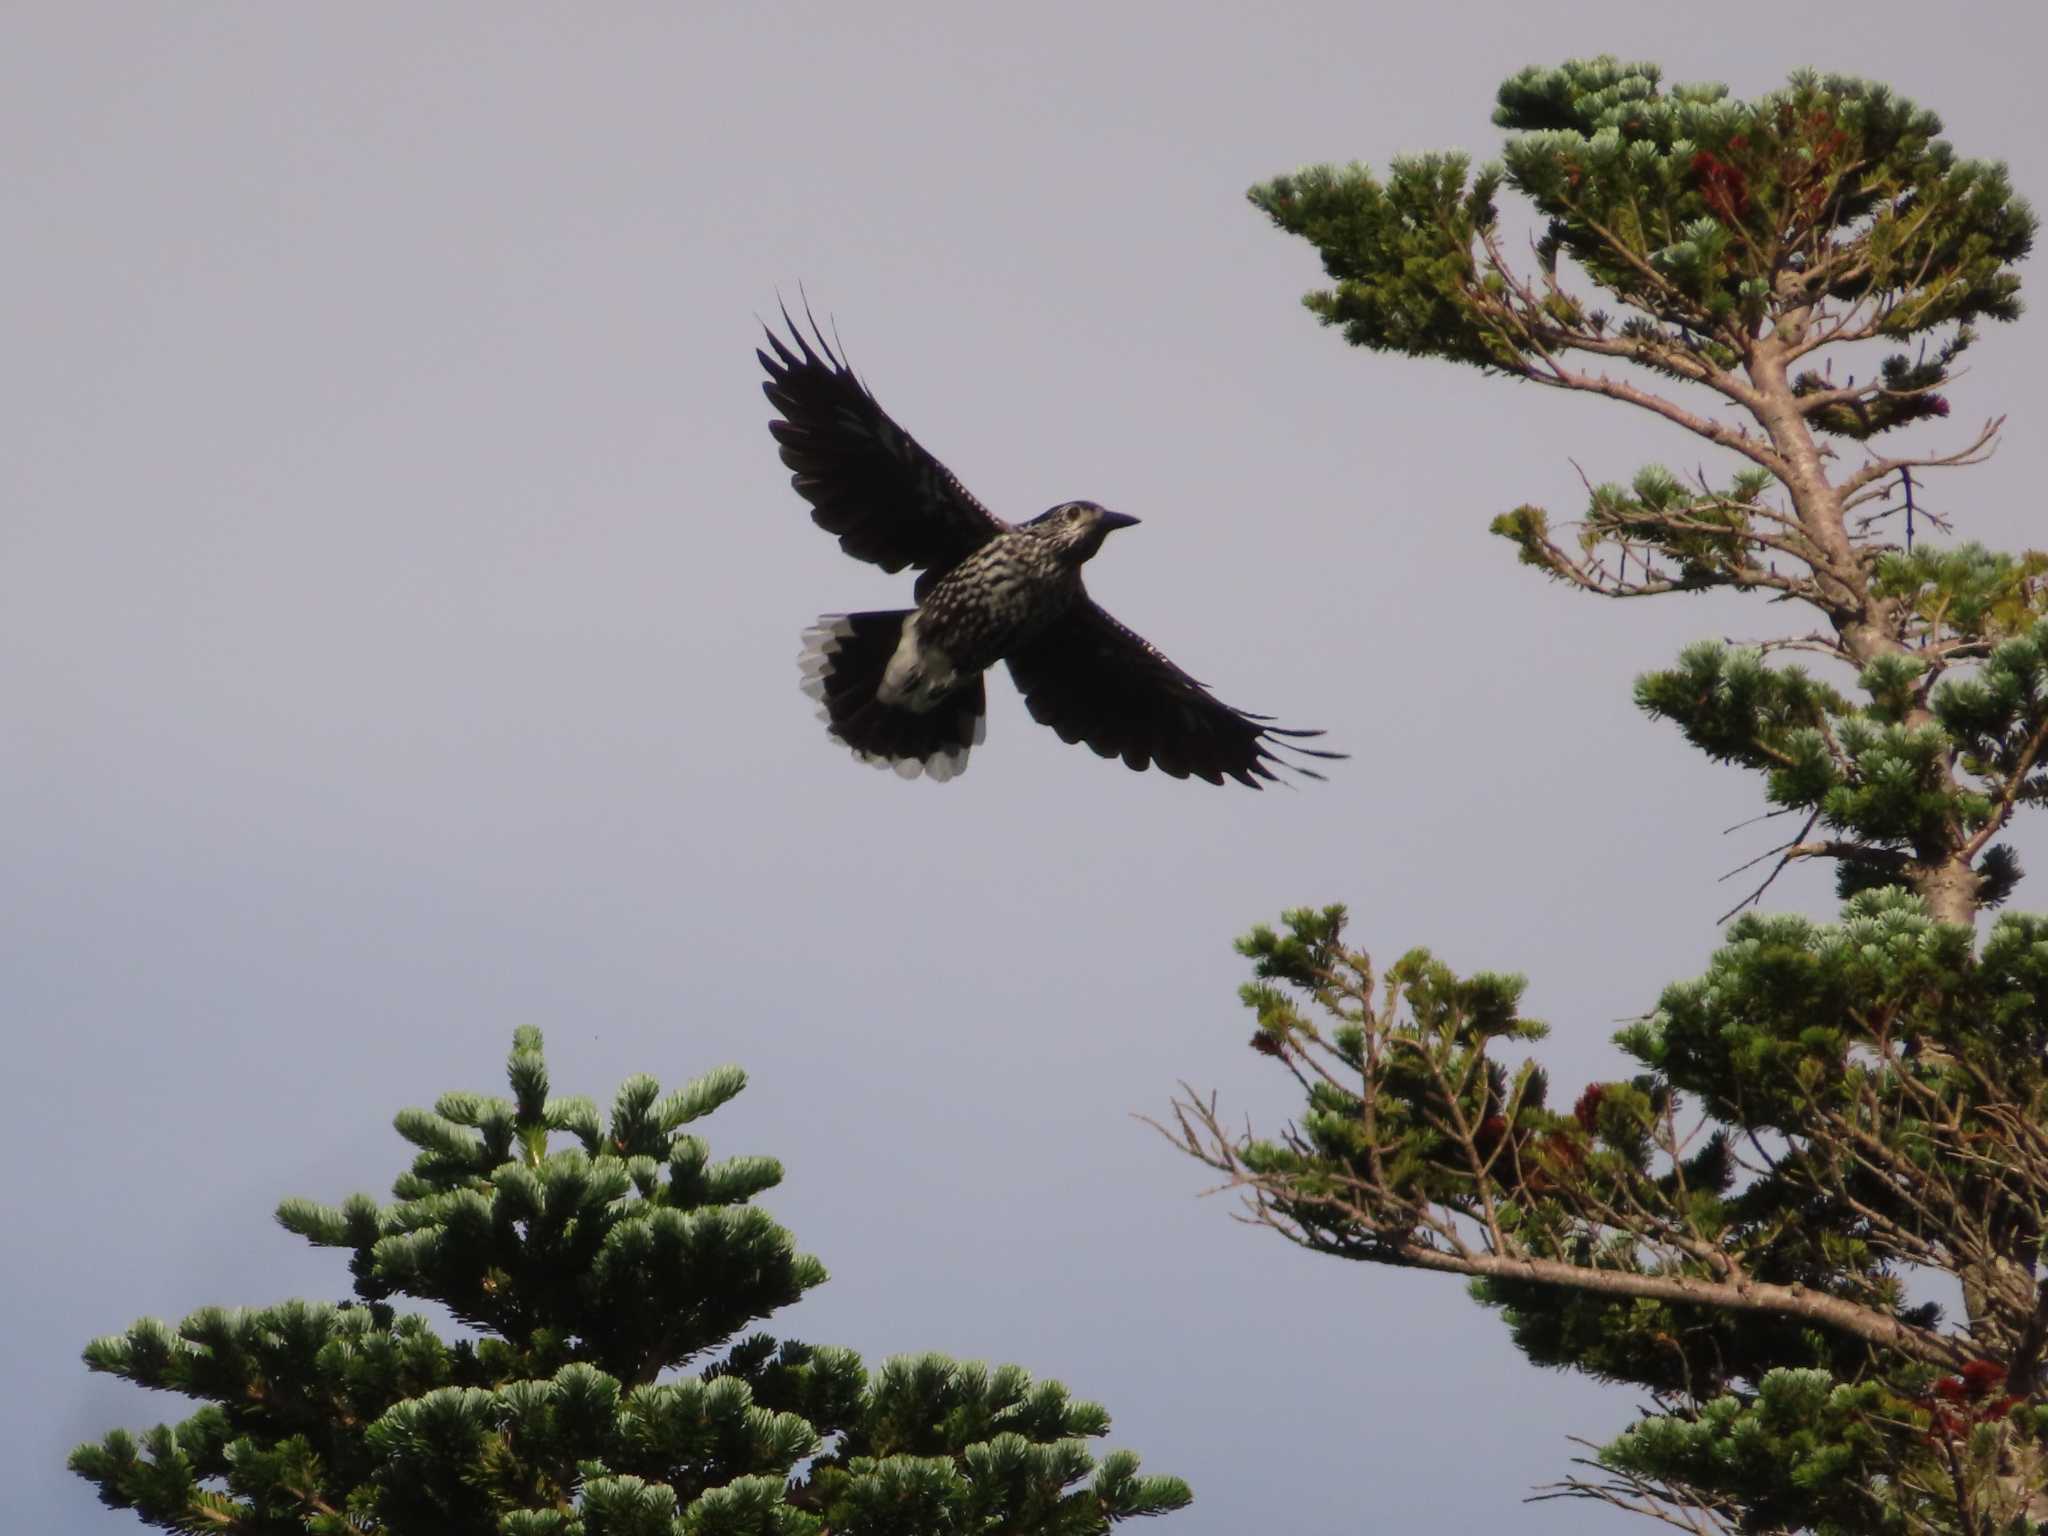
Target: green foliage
[(1803, 1452), (1925, 760), (1698, 212), (1402, 252), (1736, 709), (1727, 242), (1691, 204), (1807, 1451), (1661, 533), (1968, 593), (1865, 1098), (1905, 777), (1897, 790), (1795, 1017), (1672, 1349), (589, 1271), (1906, 393), (1832, 1108)]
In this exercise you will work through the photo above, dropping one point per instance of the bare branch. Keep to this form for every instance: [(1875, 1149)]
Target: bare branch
[(1789, 851), (1556, 376), (1684, 1507), (1979, 449), (1814, 642), (2009, 793)]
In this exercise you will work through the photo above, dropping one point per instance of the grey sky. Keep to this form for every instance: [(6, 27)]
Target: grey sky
[(399, 601)]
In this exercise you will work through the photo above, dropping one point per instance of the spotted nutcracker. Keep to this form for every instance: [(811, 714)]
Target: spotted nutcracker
[(903, 688)]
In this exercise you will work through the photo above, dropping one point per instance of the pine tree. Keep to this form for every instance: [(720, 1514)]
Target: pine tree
[(588, 1272), (1832, 1110)]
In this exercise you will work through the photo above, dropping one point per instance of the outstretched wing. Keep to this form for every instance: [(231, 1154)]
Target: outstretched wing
[(866, 479), (1093, 680)]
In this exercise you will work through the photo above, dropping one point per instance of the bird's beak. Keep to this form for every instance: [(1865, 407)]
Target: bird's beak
[(1115, 520)]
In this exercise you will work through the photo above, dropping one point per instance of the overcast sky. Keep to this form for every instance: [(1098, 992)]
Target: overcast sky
[(399, 606)]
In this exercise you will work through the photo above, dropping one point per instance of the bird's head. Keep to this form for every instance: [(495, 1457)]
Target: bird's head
[(1076, 529)]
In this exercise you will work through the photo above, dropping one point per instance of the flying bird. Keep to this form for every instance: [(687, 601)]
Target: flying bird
[(904, 688)]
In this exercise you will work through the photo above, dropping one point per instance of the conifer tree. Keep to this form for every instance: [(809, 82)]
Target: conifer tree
[(603, 1392), (1832, 1110)]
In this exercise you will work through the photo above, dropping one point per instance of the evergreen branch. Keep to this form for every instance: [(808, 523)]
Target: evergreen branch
[(1626, 251), (1363, 1229), (1862, 853), (1547, 340), (1711, 502), (1797, 547), (1815, 401), (1845, 1157), (1532, 317), (1871, 1156), (1593, 578)]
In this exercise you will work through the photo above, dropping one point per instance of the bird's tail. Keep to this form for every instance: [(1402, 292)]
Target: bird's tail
[(844, 657)]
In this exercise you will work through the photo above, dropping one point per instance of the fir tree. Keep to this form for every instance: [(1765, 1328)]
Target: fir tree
[(591, 1273), (1832, 1109)]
